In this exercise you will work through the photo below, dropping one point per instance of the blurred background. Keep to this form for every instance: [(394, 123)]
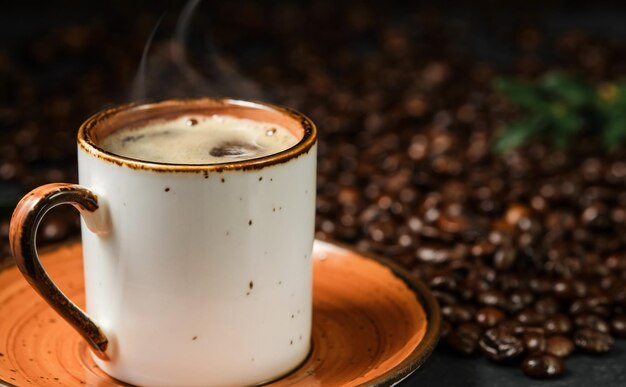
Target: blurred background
[(477, 144)]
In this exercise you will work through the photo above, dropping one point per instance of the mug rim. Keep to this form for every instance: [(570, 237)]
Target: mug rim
[(86, 141)]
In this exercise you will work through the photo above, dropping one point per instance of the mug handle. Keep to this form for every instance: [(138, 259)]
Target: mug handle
[(22, 237)]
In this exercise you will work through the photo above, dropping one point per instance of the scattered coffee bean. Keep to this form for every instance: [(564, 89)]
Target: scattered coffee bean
[(592, 322), (489, 316), (558, 324), (512, 326), (560, 346), (498, 345), (457, 313), (464, 338), (530, 317), (534, 342), (593, 341), (491, 298), (618, 325), (543, 366), (597, 305), (547, 306)]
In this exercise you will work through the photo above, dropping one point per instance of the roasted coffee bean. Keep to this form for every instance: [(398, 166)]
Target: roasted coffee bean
[(563, 289), (593, 341), (597, 305), (443, 282), (489, 316), (464, 338), (434, 254), (516, 213), (491, 298), (498, 345), (457, 313), (560, 346), (540, 285), (542, 366), (534, 342), (504, 258), (618, 325), (596, 217), (547, 306), (592, 322), (519, 300), (510, 282), (530, 317), (512, 326), (558, 324), (482, 249)]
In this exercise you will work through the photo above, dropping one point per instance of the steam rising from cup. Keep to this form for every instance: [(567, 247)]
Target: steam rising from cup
[(165, 70)]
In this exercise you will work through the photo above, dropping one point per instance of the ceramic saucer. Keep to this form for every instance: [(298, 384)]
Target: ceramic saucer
[(372, 324)]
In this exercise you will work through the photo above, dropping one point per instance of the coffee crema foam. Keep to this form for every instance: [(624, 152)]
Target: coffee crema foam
[(200, 140)]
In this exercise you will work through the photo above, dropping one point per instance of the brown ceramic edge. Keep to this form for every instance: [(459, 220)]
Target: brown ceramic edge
[(433, 320), (86, 143), (7, 384)]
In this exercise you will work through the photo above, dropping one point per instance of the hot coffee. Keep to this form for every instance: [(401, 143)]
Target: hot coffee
[(200, 140)]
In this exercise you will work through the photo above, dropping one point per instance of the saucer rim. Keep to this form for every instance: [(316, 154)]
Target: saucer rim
[(412, 362), (426, 299)]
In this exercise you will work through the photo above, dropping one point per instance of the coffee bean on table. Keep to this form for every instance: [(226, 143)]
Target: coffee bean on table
[(560, 346), (519, 300), (547, 306), (465, 337), (530, 317), (457, 313), (534, 342), (592, 322), (512, 326), (504, 258), (597, 305), (558, 324), (618, 325), (543, 366), (540, 285), (563, 289), (497, 345), (593, 341), (491, 297), (489, 316)]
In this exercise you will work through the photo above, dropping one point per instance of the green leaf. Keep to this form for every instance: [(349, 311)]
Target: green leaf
[(522, 94), (517, 133), (564, 129), (614, 133), (568, 89)]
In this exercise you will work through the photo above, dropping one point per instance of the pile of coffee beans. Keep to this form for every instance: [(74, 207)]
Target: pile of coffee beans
[(525, 250)]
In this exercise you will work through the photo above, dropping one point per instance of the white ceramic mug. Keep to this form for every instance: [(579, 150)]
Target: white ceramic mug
[(195, 275)]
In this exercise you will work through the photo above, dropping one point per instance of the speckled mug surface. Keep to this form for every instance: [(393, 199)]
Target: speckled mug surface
[(195, 275)]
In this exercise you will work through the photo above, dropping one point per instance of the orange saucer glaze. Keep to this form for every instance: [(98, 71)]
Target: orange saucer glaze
[(372, 325)]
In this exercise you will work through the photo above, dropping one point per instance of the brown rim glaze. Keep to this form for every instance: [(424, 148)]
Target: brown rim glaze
[(134, 114), (360, 303)]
